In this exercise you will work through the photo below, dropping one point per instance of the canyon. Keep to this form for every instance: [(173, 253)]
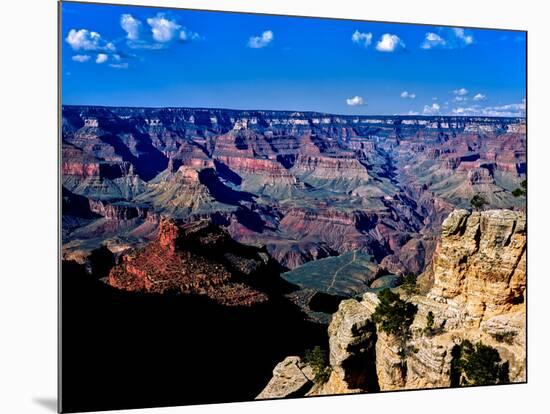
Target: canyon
[(305, 185), (242, 238)]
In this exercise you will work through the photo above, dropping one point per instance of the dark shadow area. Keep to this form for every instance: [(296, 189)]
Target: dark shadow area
[(324, 302), (76, 205), (250, 219), (220, 191), (130, 350), (360, 367), (149, 164), (287, 160), (227, 173)]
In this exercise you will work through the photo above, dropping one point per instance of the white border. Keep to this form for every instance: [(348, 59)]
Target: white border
[(28, 205)]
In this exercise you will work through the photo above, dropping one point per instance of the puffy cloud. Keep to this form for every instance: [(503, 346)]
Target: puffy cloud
[(447, 39), (465, 111), (432, 40), (462, 36), (480, 97), (356, 101), (101, 58), (257, 42), (409, 95), (360, 38), (187, 35), (163, 29), (131, 26), (86, 40), (81, 58), (432, 109), (413, 113), (461, 92), (389, 43)]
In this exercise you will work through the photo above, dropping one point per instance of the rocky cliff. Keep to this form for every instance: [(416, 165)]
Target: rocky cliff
[(478, 294)]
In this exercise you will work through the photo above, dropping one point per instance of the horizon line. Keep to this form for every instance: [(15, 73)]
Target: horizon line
[(292, 110)]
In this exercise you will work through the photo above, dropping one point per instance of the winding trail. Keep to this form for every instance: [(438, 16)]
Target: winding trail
[(331, 286)]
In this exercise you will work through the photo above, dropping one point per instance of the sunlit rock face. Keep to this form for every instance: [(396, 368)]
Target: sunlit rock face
[(478, 293)]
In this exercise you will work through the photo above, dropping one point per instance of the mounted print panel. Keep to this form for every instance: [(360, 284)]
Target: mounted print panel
[(263, 206)]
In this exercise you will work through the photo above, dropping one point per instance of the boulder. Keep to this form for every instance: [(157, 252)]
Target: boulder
[(291, 378)]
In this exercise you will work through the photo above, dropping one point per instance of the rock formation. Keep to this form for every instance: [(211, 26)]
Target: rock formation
[(197, 258), (382, 185), (478, 294), (291, 378)]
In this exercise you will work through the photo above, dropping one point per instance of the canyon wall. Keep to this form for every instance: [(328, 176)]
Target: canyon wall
[(478, 294)]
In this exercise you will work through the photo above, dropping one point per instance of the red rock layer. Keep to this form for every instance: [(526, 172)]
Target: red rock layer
[(167, 265)]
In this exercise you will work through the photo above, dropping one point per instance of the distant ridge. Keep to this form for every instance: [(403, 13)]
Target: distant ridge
[(294, 113)]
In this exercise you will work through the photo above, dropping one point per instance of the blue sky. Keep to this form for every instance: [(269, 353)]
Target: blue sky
[(136, 56)]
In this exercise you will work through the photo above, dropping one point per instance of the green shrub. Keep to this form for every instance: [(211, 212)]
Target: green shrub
[(409, 285), (429, 322), (317, 359), (507, 337), (478, 202), (518, 192), (394, 316), (477, 364)]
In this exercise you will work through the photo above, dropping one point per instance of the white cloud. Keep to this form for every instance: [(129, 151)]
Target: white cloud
[(389, 43), (101, 57), (447, 39), (163, 29), (462, 36), (460, 98), (356, 101), (461, 92), (364, 39), (433, 40), (434, 98), (480, 97), (187, 35), (413, 113), (131, 26), (464, 111), (123, 65), (81, 58), (86, 40), (515, 109), (408, 95), (257, 42), (512, 110), (432, 109)]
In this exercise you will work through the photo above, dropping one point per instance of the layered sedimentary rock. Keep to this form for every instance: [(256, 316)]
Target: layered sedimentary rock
[(478, 294), (305, 184), (480, 263)]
